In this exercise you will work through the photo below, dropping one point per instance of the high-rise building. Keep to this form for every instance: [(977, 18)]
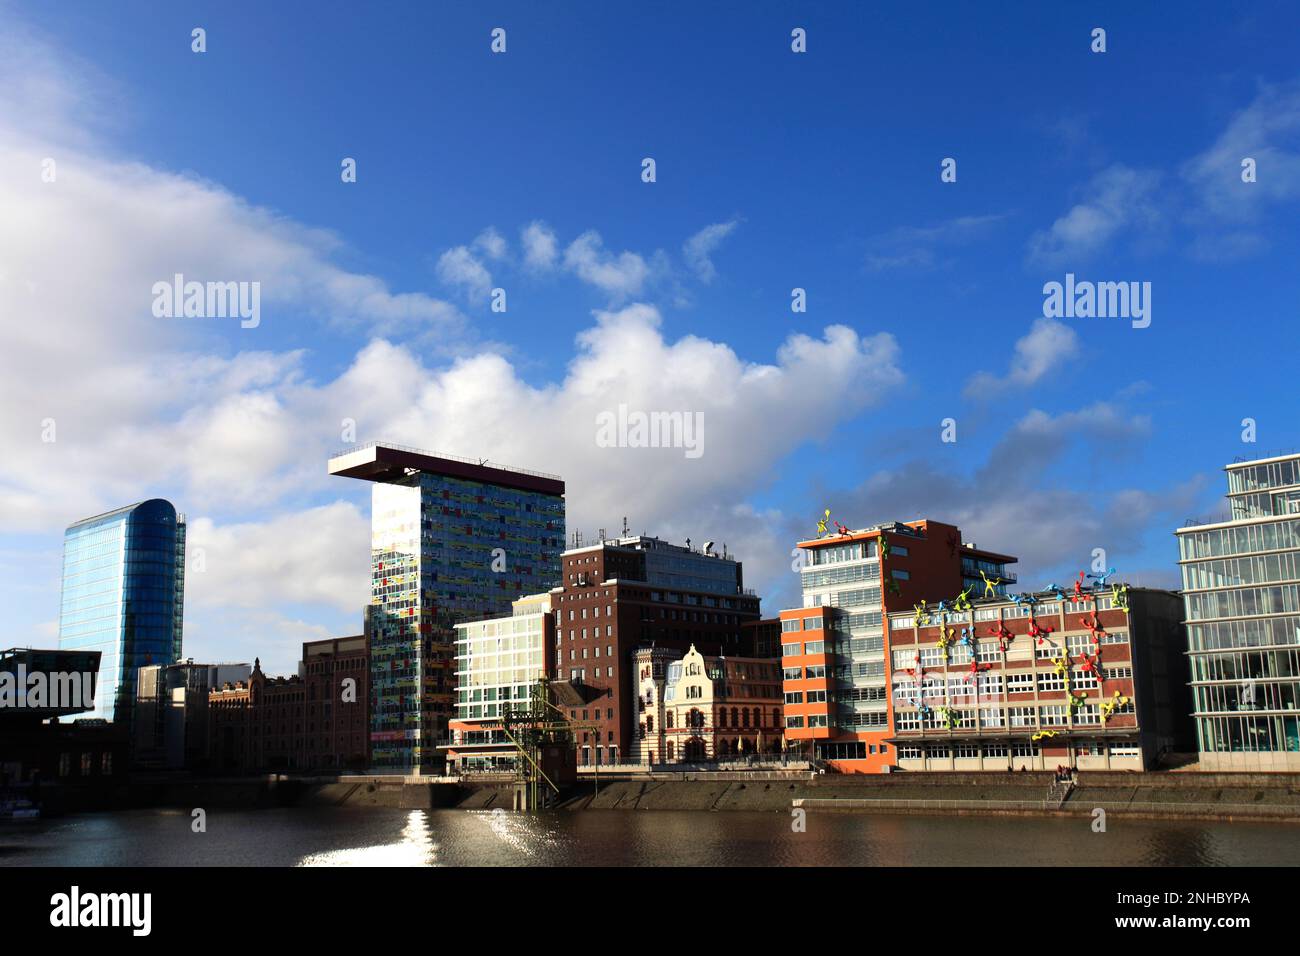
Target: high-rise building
[(453, 540), (1242, 605), (499, 662), (626, 592), (835, 649), (124, 596)]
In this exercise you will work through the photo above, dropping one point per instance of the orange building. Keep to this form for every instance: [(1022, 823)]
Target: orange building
[(835, 653)]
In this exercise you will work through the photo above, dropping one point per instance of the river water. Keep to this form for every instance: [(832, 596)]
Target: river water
[(390, 837)]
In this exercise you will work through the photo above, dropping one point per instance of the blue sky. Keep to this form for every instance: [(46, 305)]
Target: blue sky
[(775, 170)]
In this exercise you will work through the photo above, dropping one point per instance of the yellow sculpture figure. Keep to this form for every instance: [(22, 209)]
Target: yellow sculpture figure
[(821, 525), (1108, 707), (949, 717), (945, 638), (1120, 597), (1043, 733), (990, 587), (922, 615), (963, 600)]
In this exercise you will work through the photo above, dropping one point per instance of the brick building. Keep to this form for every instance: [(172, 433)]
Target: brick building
[(628, 592), (314, 720), (1091, 678)]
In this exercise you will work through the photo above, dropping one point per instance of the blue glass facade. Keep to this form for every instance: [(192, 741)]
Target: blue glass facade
[(123, 595)]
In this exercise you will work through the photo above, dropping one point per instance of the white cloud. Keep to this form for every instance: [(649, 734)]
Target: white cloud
[(1119, 200), (916, 247), (459, 267), (541, 250), (698, 249), (314, 556), (621, 276), (1268, 131), (1045, 347)]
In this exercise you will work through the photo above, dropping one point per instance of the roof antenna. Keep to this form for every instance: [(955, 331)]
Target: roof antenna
[(626, 532)]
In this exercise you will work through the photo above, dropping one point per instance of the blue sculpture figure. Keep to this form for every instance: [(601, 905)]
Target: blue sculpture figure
[(1101, 578)]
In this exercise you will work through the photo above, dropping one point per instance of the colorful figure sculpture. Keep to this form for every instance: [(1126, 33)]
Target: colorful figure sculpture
[(1108, 707), (922, 615), (892, 586), (1078, 589), (821, 525), (963, 600), (1043, 733), (1120, 597), (845, 532), (990, 587), (948, 717), (884, 547), (1038, 632), (1101, 578), (1002, 634), (1055, 589)]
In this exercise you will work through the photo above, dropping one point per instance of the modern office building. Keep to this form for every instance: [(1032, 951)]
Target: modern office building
[(499, 663), (171, 728), (1092, 679), (124, 596), (1241, 590), (452, 541), (835, 649), (693, 708), (623, 593)]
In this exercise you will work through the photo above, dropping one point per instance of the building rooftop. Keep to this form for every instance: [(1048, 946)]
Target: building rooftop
[(387, 462)]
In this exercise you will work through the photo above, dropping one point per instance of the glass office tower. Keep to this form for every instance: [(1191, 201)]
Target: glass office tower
[(452, 541), (124, 596), (1241, 590)]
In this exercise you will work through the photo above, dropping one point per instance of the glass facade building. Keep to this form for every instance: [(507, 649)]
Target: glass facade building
[(124, 596), (1241, 591), (452, 541)]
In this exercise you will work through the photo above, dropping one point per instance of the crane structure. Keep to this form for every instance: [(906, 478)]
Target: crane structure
[(543, 735)]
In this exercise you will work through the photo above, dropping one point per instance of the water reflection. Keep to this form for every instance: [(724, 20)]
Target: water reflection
[(415, 848), (343, 836)]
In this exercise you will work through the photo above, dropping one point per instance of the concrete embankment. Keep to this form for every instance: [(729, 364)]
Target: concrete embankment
[(1182, 795), (1162, 796)]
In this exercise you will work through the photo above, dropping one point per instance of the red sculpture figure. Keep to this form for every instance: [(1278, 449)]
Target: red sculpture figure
[(1002, 634)]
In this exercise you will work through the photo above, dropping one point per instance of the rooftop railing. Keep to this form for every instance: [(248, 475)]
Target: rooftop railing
[(480, 462)]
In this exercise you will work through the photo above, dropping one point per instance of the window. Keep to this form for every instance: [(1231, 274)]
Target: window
[(794, 721), (815, 647), (1020, 683), (792, 673), (812, 624), (817, 720), (794, 697)]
